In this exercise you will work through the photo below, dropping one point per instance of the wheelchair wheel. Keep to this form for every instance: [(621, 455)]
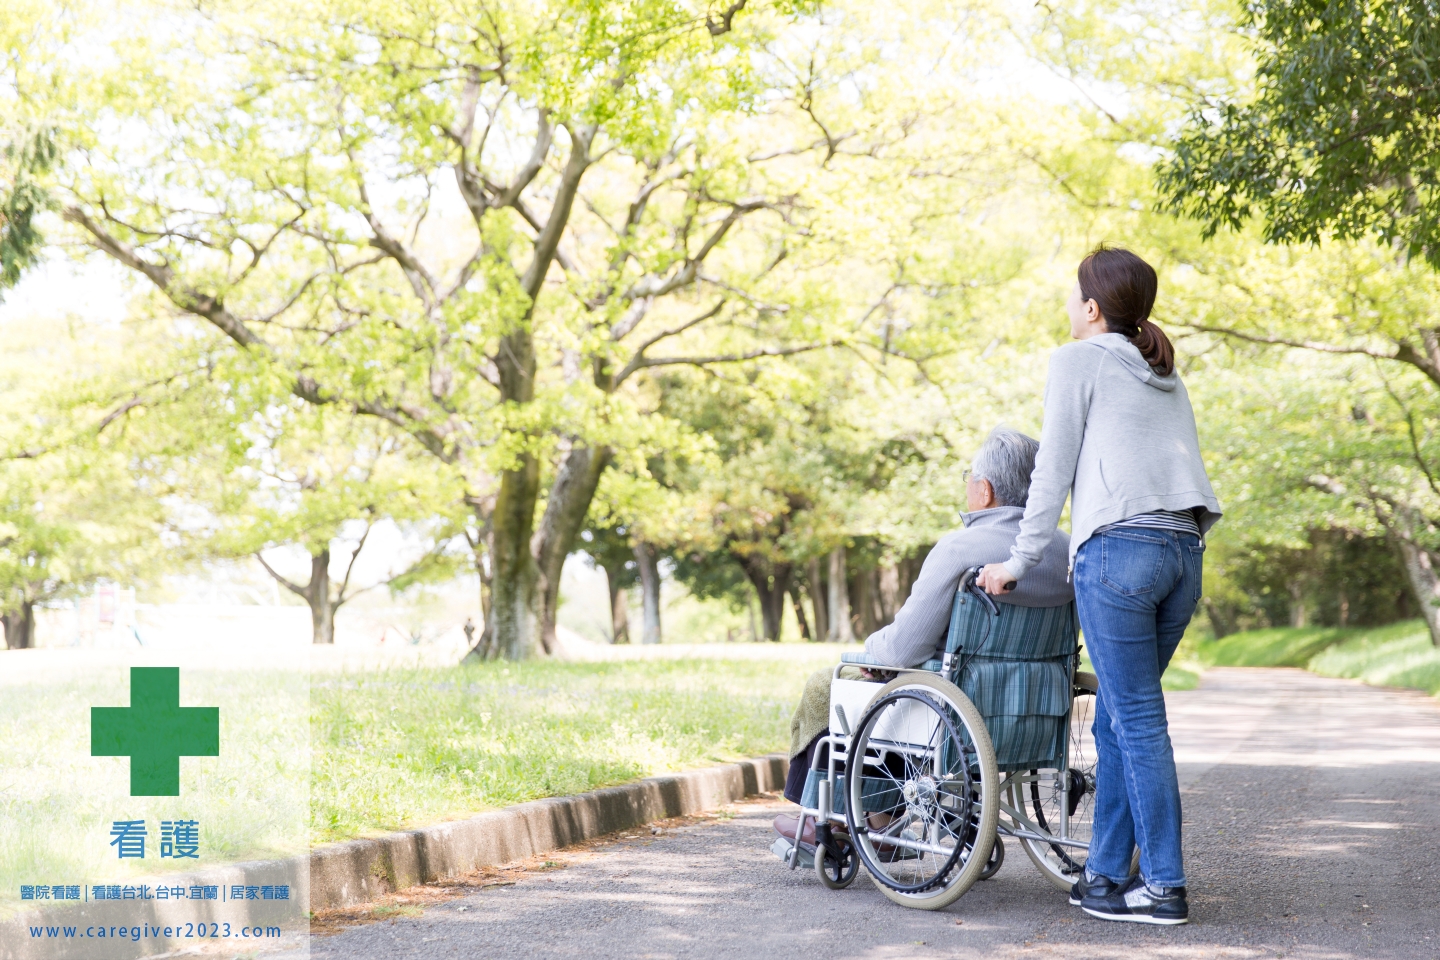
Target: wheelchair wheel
[(997, 860), (1038, 793), (837, 868), (923, 799)]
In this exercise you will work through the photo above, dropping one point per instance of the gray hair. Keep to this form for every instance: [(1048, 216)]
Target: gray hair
[(1006, 459)]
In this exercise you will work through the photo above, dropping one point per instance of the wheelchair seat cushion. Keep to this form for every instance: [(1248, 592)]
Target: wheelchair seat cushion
[(861, 658)]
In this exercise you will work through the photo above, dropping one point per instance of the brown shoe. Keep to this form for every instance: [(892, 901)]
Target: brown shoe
[(785, 825)]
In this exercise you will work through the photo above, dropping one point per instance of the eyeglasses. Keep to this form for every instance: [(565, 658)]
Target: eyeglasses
[(968, 475)]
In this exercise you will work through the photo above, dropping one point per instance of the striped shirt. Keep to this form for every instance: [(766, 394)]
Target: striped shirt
[(1176, 521)]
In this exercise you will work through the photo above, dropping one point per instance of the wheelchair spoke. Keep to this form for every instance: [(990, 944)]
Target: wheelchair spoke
[(917, 796)]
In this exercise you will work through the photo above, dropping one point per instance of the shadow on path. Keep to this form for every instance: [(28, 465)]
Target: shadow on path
[(1311, 832)]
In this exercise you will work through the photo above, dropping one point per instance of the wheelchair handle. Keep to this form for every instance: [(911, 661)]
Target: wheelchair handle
[(968, 578), (969, 583)]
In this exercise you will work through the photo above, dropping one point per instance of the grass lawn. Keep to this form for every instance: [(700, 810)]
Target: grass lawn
[(400, 748), (1396, 655)]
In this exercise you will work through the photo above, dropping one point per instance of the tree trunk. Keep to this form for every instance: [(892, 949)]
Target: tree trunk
[(619, 614), (864, 589), (648, 561), (484, 648), (514, 577), (565, 509), (819, 598), (890, 596), (483, 549), (20, 626), (839, 602), (1220, 625), (800, 618), (1421, 569), (322, 607), (1299, 612), (316, 595), (909, 571), (772, 585)]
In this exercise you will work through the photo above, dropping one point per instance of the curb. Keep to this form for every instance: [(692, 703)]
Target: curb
[(357, 871)]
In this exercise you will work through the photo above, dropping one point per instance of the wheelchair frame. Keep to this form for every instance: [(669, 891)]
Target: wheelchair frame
[(1013, 820)]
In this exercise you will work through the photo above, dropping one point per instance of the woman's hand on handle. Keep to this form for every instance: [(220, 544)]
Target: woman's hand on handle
[(996, 580)]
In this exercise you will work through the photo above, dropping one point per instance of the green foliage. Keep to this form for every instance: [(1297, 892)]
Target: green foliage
[(22, 199), (1336, 136), (1276, 647), (414, 260), (87, 465), (1398, 655), (311, 473), (1330, 577)]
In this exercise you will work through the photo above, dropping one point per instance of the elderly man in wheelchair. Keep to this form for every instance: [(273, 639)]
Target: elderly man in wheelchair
[(963, 721)]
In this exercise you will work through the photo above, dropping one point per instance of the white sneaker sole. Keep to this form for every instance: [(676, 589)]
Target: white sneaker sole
[(1136, 918)]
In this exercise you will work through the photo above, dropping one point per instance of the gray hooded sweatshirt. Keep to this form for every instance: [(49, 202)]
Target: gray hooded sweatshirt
[(1119, 439)]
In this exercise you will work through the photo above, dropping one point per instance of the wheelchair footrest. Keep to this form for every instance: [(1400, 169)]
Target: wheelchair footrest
[(782, 847)]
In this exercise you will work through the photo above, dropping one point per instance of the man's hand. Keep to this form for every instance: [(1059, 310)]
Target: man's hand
[(996, 579)]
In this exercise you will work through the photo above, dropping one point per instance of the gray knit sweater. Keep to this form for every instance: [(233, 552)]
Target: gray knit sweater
[(1119, 439), (920, 625)]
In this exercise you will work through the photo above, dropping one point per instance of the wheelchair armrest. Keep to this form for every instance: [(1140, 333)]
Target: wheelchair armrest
[(860, 658)]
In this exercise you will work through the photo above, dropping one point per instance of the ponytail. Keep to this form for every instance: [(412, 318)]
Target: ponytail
[(1155, 347), (1123, 286)]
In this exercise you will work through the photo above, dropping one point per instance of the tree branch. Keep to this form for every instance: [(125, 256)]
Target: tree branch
[(1414, 434), (726, 16), (651, 285), (647, 362), (548, 241), (212, 309), (637, 359), (544, 136), (421, 282), (1404, 352), (344, 584), (185, 297), (561, 257), (303, 592)]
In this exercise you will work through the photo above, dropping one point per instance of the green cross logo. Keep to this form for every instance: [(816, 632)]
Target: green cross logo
[(154, 731)]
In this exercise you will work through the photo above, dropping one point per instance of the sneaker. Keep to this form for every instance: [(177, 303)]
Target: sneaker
[(1138, 902), (1088, 886)]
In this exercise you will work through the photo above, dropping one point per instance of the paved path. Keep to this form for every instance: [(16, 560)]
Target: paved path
[(1312, 830)]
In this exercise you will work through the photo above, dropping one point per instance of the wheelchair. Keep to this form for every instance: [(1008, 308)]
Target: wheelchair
[(921, 777)]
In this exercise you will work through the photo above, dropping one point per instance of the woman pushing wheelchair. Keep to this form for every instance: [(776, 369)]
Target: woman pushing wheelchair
[(1120, 439), (982, 727)]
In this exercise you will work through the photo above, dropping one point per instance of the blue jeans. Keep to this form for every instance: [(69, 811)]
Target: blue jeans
[(1136, 590)]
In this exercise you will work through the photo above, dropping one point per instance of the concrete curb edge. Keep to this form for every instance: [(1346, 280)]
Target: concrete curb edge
[(357, 871)]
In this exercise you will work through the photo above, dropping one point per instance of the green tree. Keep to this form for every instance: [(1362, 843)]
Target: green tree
[(66, 521), (469, 224), (1335, 134), (608, 546), (319, 480), (1331, 145), (88, 459)]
